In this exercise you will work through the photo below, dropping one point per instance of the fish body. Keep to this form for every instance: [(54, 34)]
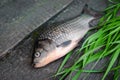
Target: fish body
[(57, 40)]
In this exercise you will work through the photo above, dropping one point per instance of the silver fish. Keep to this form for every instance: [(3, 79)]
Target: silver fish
[(56, 41)]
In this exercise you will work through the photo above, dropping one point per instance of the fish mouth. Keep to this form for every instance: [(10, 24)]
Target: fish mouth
[(38, 65)]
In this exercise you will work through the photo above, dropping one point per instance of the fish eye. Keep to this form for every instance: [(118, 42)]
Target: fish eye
[(37, 54)]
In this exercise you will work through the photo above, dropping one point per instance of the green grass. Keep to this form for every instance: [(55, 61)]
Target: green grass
[(105, 42)]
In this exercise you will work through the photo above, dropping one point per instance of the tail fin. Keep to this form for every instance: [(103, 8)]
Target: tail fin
[(97, 15)]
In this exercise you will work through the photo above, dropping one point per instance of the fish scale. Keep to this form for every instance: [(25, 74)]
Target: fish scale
[(73, 29)]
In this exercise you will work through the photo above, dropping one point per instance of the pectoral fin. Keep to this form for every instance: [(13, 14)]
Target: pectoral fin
[(65, 44)]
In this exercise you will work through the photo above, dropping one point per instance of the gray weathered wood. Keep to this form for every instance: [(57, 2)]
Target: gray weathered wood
[(97, 5), (17, 64), (73, 10), (18, 18)]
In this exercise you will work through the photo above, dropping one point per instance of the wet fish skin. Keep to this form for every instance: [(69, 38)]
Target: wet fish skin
[(53, 42)]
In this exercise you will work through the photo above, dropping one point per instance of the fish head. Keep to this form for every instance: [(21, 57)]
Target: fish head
[(39, 57), (48, 52), (42, 52)]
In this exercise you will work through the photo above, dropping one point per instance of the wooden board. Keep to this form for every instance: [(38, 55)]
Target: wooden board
[(97, 5), (17, 65), (18, 18)]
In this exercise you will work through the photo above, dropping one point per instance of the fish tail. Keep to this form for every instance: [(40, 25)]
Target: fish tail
[(92, 13)]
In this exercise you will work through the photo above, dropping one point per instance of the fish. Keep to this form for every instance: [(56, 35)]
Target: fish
[(56, 41)]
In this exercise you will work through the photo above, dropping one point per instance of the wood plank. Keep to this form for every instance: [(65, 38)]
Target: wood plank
[(97, 5), (72, 11), (18, 18), (18, 62)]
